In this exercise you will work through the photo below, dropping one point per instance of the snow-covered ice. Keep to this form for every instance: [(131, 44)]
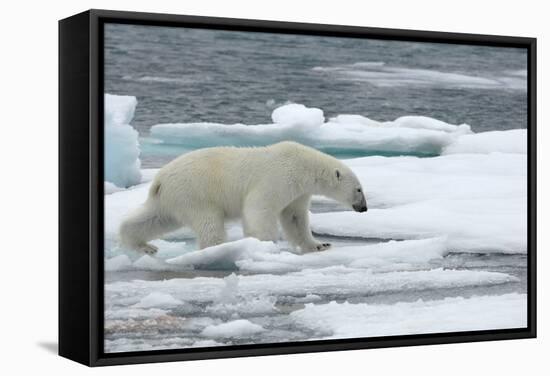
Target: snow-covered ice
[(475, 225), (337, 280), (118, 263), (260, 256), (297, 115), (511, 141), (236, 328), (346, 320), (158, 300), (477, 201)]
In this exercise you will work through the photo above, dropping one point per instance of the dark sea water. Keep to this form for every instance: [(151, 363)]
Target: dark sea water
[(193, 75)]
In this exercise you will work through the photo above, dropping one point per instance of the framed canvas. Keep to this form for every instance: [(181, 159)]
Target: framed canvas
[(235, 187)]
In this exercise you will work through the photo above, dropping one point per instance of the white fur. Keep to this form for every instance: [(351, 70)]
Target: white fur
[(204, 188)]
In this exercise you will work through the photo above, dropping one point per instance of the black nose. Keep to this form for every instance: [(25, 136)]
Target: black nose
[(360, 208)]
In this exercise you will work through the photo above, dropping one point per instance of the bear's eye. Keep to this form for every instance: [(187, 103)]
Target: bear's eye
[(359, 190)]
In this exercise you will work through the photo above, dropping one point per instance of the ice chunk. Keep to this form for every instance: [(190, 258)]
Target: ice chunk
[(119, 109), (111, 188), (158, 300), (511, 141), (340, 135), (253, 255), (225, 256), (298, 115), (117, 263), (345, 320), (237, 328), (147, 262), (121, 141)]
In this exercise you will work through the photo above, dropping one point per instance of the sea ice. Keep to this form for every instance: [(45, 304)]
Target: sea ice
[(345, 320), (117, 263), (510, 141), (225, 256), (266, 257), (158, 300), (147, 262), (336, 281), (111, 188), (477, 225), (477, 201), (237, 328), (131, 313), (343, 133), (384, 75)]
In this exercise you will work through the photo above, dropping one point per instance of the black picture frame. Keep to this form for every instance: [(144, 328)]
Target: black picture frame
[(81, 187)]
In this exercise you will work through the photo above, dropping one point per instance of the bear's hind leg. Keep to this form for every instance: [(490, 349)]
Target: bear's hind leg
[(210, 229), (142, 225), (295, 222)]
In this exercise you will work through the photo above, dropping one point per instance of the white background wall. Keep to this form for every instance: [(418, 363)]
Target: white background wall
[(28, 210)]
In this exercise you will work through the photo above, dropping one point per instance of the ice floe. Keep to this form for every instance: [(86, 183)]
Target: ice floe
[(477, 201), (297, 115), (511, 141), (346, 320), (416, 135), (266, 257), (337, 281), (237, 328), (479, 226), (118, 263), (384, 75), (245, 309), (158, 300), (344, 134)]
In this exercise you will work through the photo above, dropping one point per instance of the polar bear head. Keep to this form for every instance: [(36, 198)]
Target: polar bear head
[(345, 187)]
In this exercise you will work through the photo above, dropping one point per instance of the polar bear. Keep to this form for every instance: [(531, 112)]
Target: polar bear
[(260, 185)]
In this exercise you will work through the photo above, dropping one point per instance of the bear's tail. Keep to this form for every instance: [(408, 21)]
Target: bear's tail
[(154, 191)]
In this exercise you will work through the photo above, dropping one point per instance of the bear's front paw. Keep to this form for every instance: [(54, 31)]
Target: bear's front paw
[(148, 249), (320, 247), (323, 246)]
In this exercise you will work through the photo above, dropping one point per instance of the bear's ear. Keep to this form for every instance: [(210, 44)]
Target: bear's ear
[(338, 174)]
